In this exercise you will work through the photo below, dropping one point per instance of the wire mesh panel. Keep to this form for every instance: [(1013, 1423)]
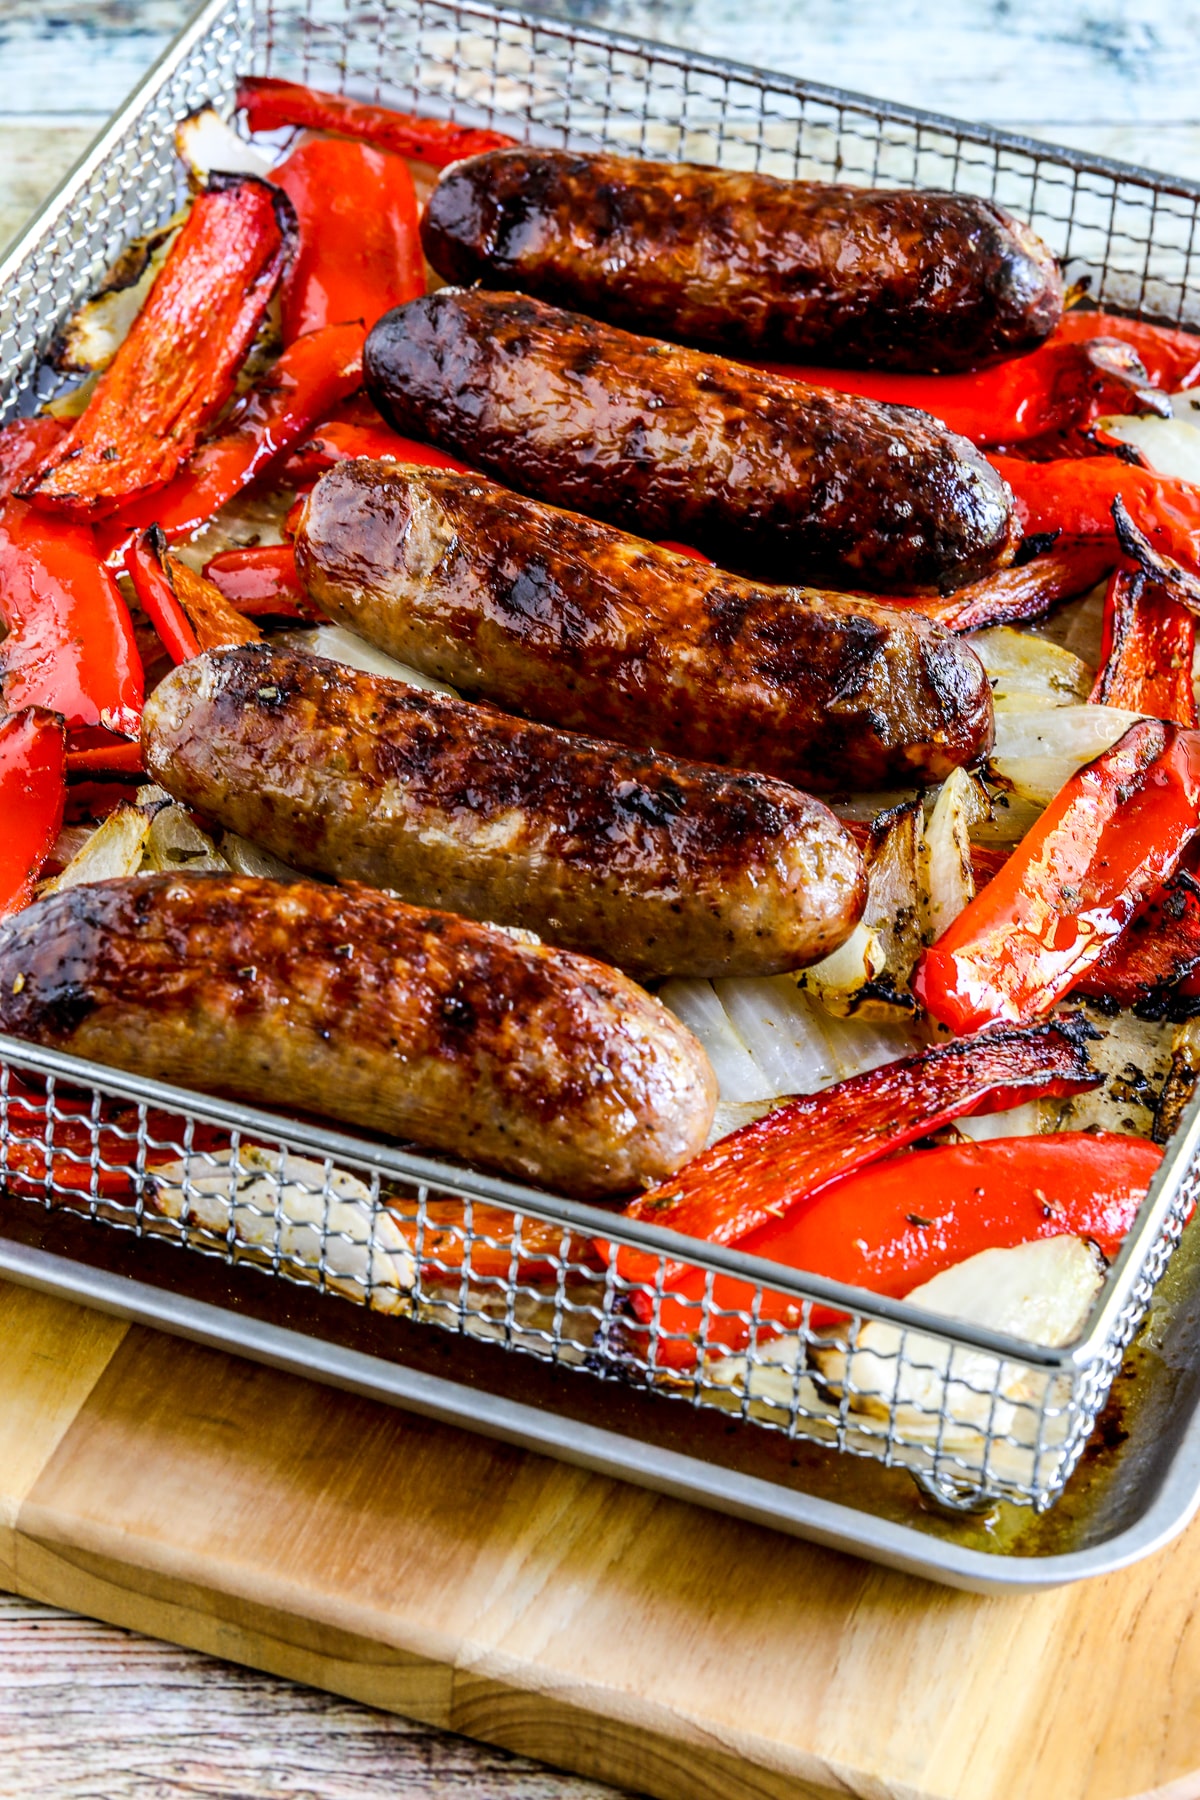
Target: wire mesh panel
[(973, 1415)]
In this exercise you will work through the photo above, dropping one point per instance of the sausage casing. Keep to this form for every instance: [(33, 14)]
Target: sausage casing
[(784, 481), (344, 1001), (748, 263), (660, 866), (576, 623)]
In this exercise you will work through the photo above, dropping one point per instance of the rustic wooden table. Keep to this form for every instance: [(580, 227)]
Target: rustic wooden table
[(86, 1710)]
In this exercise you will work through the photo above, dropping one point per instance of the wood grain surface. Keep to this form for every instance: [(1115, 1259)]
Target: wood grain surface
[(559, 1614), (89, 1712)]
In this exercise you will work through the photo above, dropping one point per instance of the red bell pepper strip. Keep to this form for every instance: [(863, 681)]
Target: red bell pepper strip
[(118, 757), (262, 579), (70, 644), (25, 445), (1115, 832), (895, 1225), (1076, 495), (766, 1169), (1024, 592), (359, 252), (685, 550), (269, 104), (1159, 948), (33, 793), (1170, 357), (311, 376), (85, 1139), (337, 441), (191, 608), (91, 801), (177, 367), (1058, 387), (144, 563), (453, 1243), (1147, 650)]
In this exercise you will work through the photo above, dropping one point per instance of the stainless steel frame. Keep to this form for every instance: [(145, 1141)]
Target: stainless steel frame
[(978, 1418)]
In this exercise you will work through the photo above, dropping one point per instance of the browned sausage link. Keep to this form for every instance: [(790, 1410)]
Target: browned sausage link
[(785, 481), (662, 867), (346, 1002), (563, 619), (748, 263)]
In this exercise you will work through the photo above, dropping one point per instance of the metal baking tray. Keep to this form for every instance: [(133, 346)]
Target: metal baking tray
[(475, 1300)]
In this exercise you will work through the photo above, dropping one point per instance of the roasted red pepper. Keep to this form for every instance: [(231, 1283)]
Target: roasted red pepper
[(685, 550), (1115, 832), (1159, 948), (269, 104), (262, 579), (144, 563), (70, 644), (359, 252), (189, 612), (338, 441), (84, 1141), (117, 756), (25, 444), (1076, 495), (311, 376), (1147, 650), (465, 1238), (1019, 593), (761, 1172), (1058, 387), (177, 367), (33, 792), (900, 1222), (1171, 358)]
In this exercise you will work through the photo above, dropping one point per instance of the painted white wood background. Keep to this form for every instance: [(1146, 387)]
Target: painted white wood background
[(88, 1711)]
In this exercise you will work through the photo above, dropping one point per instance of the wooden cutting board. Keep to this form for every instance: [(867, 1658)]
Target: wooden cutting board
[(200, 1498)]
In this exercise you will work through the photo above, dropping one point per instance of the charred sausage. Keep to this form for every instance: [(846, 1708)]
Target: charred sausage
[(346, 1002), (662, 867), (748, 263), (573, 622), (785, 481)]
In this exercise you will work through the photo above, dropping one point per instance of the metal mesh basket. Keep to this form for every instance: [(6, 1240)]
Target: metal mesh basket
[(972, 1414)]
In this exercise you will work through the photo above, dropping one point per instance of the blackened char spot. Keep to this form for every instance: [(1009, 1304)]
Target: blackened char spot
[(654, 806), (533, 593), (457, 1013), (62, 1009)]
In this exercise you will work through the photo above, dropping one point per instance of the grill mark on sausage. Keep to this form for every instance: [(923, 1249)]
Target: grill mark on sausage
[(522, 1057), (766, 474), (660, 865), (573, 622), (747, 262)]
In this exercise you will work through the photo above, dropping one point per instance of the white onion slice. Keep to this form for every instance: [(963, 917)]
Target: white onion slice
[(696, 1005), (1170, 446), (112, 851), (1036, 753), (1029, 673), (267, 1201), (781, 1029), (1040, 1291), (207, 145), (340, 645)]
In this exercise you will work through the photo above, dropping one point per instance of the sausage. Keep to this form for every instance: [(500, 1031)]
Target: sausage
[(783, 481), (662, 867), (562, 619), (346, 1002), (748, 263)]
